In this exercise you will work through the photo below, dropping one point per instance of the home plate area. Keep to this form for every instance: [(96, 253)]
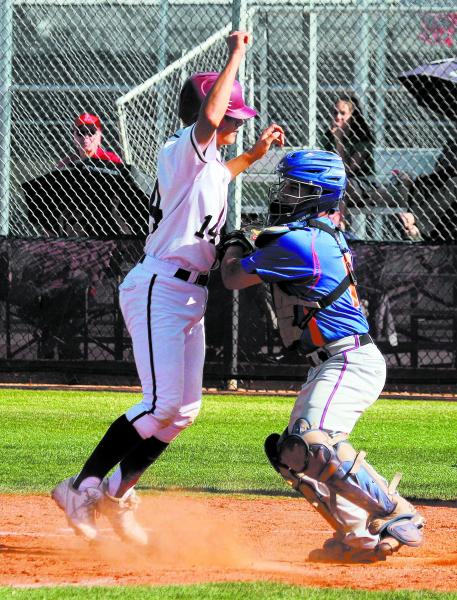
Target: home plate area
[(198, 538)]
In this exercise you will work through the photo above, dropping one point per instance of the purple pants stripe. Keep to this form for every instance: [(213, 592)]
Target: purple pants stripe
[(337, 384)]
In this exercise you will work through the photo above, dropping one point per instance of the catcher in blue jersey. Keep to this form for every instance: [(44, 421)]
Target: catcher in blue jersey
[(308, 264)]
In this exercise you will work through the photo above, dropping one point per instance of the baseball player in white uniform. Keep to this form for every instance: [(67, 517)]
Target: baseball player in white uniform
[(163, 298)]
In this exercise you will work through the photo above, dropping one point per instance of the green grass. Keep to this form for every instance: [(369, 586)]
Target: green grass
[(47, 435), (215, 591)]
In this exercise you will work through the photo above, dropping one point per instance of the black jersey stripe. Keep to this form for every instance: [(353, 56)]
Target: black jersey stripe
[(195, 145)]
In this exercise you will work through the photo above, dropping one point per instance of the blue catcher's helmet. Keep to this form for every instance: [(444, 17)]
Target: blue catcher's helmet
[(310, 182)]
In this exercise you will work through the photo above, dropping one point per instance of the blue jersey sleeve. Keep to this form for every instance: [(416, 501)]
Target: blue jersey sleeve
[(282, 260)]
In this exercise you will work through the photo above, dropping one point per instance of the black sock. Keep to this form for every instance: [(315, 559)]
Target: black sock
[(120, 439), (137, 461)]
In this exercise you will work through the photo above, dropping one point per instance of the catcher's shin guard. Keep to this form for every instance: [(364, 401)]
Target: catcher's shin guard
[(299, 484), (333, 461)]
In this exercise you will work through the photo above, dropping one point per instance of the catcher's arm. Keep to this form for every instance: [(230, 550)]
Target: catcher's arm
[(234, 276)]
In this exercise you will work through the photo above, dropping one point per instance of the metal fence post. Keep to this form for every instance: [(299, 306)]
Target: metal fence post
[(239, 22), (161, 64), (263, 47), (362, 63), (163, 34), (312, 81), (6, 54), (249, 129), (380, 77)]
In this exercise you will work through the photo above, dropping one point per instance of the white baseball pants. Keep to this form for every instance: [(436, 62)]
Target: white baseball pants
[(164, 317), (334, 397), (338, 391)]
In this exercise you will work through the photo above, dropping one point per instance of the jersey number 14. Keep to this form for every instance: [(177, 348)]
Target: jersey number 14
[(211, 233)]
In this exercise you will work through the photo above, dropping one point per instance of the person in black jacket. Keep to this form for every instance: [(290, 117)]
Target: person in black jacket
[(432, 196)]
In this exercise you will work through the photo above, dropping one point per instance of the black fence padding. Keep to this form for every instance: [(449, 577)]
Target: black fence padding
[(59, 306)]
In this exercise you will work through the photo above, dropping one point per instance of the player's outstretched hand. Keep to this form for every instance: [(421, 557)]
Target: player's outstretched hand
[(237, 42), (272, 135)]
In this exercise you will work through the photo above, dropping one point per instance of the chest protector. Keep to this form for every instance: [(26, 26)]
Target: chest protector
[(292, 319)]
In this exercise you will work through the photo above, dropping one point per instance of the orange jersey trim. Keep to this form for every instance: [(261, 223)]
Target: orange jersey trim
[(316, 335), (351, 288)]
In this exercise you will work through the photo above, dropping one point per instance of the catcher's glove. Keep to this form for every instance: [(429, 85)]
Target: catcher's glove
[(234, 238)]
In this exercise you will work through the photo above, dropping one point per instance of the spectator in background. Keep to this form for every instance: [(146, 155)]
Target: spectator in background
[(89, 194), (349, 136), (432, 196), (408, 227), (101, 198), (87, 137)]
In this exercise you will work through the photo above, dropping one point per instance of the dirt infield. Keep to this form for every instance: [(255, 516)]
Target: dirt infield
[(197, 538)]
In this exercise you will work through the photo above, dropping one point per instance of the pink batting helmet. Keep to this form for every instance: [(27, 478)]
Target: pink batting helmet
[(203, 82)]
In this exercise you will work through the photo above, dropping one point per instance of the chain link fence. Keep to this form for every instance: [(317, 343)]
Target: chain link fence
[(59, 302), (335, 74)]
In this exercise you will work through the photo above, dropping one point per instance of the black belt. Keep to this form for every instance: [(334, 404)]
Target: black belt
[(364, 340), (202, 279)]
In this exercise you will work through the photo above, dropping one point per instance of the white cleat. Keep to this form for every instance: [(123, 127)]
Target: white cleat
[(120, 512), (79, 507)]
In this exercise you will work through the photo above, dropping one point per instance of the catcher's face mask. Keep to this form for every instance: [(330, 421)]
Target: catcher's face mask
[(292, 200)]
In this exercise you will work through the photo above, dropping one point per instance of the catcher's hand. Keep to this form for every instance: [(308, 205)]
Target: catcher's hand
[(234, 238)]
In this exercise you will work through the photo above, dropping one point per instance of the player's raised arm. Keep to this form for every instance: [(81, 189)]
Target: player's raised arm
[(216, 102), (272, 135)]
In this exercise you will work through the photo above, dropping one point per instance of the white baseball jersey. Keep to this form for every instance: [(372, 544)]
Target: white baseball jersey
[(190, 203), (163, 313)]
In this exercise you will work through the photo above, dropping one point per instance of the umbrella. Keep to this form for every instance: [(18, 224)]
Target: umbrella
[(93, 198), (434, 85)]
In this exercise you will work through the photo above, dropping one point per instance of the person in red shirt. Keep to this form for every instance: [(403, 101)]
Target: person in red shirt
[(87, 136)]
